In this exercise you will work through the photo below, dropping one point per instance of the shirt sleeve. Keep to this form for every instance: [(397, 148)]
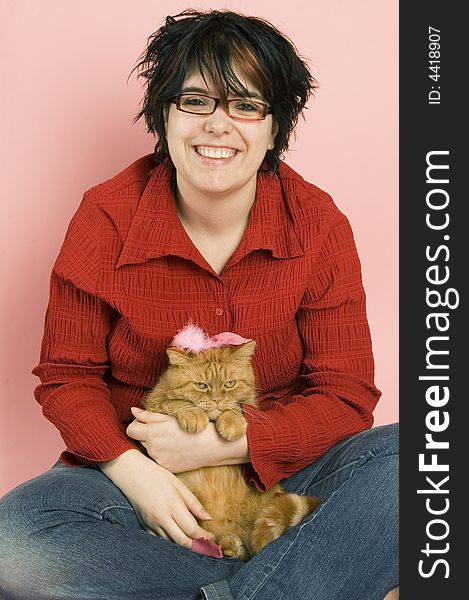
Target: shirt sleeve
[(338, 394), (73, 357)]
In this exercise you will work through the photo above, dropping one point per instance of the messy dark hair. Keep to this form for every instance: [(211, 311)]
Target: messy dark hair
[(214, 42)]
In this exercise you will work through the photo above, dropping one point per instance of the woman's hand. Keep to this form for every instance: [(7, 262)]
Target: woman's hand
[(178, 450), (164, 505)]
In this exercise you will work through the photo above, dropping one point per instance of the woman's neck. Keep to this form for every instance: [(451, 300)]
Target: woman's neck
[(217, 215)]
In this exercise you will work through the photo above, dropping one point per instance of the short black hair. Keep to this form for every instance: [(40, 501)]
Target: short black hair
[(213, 42)]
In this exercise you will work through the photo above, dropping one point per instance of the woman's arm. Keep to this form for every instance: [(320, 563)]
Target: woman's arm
[(74, 357), (164, 505), (179, 450), (338, 394)]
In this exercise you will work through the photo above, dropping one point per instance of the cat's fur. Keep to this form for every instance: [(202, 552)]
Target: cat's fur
[(199, 387)]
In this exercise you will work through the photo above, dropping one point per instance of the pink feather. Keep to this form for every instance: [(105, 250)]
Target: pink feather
[(194, 339)]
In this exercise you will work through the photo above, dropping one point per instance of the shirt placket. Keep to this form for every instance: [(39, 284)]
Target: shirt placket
[(221, 306)]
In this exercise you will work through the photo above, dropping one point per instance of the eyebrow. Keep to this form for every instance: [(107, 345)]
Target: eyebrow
[(200, 90)]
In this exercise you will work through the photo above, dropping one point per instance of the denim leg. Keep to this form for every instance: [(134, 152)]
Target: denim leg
[(348, 548), (70, 534)]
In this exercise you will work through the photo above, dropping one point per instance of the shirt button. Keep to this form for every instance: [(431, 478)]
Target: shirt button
[(219, 312)]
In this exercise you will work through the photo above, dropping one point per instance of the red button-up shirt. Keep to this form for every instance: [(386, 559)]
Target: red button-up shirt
[(128, 277)]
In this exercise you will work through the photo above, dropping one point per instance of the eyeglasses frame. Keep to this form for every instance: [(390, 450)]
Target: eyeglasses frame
[(177, 101)]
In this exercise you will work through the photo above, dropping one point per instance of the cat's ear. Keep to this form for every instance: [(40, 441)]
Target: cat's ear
[(177, 356), (244, 351)]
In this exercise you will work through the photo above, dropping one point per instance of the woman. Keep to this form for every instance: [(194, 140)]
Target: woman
[(216, 229)]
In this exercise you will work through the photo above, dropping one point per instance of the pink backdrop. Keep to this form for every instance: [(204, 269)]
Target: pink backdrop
[(66, 112)]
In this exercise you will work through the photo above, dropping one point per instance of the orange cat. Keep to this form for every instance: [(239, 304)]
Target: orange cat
[(210, 385)]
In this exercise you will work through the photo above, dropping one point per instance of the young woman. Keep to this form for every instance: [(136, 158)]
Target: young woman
[(216, 229)]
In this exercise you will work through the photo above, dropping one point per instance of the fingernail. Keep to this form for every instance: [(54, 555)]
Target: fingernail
[(208, 516), (132, 408)]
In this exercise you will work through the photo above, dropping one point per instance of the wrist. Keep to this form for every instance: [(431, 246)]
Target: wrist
[(235, 452), (118, 468)]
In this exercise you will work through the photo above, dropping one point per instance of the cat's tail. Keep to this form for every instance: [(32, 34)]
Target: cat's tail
[(279, 512)]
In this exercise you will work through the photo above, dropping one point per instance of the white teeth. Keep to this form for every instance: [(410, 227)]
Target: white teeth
[(215, 153)]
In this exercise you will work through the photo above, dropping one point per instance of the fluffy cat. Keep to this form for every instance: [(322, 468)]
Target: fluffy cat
[(210, 385)]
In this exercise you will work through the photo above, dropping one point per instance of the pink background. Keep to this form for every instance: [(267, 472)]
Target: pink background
[(66, 111)]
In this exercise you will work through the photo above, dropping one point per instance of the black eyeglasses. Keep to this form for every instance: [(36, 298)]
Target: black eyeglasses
[(238, 108)]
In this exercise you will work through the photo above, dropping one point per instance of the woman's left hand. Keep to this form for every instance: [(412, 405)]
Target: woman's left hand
[(171, 446)]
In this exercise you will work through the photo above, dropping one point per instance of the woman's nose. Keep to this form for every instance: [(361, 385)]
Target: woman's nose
[(219, 122)]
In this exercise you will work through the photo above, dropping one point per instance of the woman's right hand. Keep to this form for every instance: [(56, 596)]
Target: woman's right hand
[(164, 505)]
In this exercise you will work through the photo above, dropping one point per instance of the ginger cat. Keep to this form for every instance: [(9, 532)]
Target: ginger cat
[(210, 385)]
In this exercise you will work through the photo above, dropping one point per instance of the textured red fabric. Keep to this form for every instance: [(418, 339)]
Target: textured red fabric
[(128, 277)]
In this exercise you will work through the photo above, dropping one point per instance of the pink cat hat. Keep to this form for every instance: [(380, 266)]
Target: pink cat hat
[(194, 339)]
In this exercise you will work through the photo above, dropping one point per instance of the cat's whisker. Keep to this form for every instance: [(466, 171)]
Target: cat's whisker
[(260, 418)]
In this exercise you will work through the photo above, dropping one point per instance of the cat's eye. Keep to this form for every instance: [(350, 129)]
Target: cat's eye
[(200, 385), (230, 384)]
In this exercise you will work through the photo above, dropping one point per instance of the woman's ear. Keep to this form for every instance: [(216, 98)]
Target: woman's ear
[(274, 133), (165, 115)]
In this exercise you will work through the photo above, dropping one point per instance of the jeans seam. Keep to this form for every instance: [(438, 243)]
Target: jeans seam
[(341, 445), (346, 466), (212, 588), (100, 513), (359, 459)]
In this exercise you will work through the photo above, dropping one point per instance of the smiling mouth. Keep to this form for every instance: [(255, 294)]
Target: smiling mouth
[(216, 153)]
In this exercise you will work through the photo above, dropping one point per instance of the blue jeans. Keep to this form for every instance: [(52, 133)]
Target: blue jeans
[(70, 534)]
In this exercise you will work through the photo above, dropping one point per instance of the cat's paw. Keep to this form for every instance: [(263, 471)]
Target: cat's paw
[(231, 426), (233, 547), (194, 420)]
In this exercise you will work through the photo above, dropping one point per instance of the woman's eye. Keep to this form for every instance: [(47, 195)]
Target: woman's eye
[(193, 101), (200, 385), (230, 384), (246, 107)]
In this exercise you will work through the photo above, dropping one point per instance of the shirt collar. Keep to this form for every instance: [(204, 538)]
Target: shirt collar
[(156, 230)]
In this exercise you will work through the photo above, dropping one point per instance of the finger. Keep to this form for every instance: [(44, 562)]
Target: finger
[(192, 502), (157, 531), (136, 431), (189, 526), (161, 533), (175, 533), (145, 416), (170, 530)]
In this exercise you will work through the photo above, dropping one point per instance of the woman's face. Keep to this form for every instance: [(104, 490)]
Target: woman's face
[(189, 136)]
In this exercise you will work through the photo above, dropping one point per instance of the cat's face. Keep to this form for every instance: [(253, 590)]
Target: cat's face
[(216, 380)]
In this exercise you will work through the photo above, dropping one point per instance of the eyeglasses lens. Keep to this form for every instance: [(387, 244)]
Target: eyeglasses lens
[(241, 108)]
